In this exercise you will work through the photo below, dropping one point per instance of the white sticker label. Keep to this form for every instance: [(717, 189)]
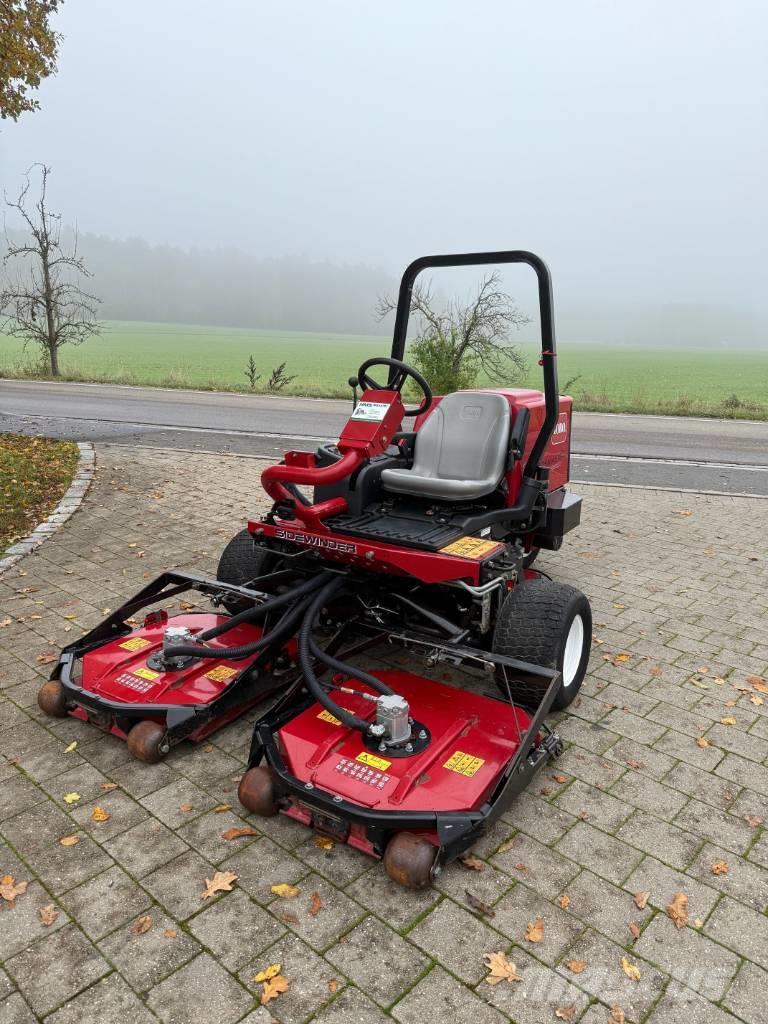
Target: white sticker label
[(370, 411)]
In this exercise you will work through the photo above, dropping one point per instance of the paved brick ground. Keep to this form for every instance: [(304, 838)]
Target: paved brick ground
[(635, 805)]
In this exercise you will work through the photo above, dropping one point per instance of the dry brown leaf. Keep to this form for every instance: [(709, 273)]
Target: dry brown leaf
[(641, 899), (285, 890), (186, 808), (268, 973), (730, 720), (501, 968), (521, 867), (560, 778), (757, 700), (656, 670), (108, 786), (683, 512), (759, 683), (720, 867), (141, 925), (221, 808), (477, 904), (702, 742), (634, 930), (506, 845), (47, 915), (566, 1012), (534, 931), (10, 888), (576, 966), (316, 904), (208, 748), (45, 659), (288, 918), (99, 814), (634, 764), (564, 900), (471, 862), (170, 933), (753, 821), (677, 910), (333, 986), (69, 841), (323, 842), (617, 1016), (631, 970), (271, 989), (221, 882), (239, 832)]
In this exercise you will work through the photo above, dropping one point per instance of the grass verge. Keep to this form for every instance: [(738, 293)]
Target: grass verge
[(34, 474)]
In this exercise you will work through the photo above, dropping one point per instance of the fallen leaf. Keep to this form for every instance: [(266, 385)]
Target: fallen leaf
[(71, 798), (677, 910), (271, 989), (170, 933), (566, 1012), (683, 512), (108, 786), (45, 659), (641, 900), (186, 808), (759, 683), (702, 670), (730, 720), (316, 904), (634, 764), (471, 862), (208, 748), (753, 821), (718, 680), (720, 867), (576, 966), (47, 915), (69, 841), (656, 670), (702, 742), (501, 969), (6, 621), (622, 657), (333, 986), (237, 833), (99, 814), (221, 808), (756, 700), (632, 971), (521, 867), (617, 1016), (141, 925), (506, 845), (10, 888), (560, 778), (268, 973), (534, 931), (285, 890), (698, 682), (477, 904), (634, 930), (72, 746), (698, 923), (564, 901), (323, 842), (221, 882), (288, 918)]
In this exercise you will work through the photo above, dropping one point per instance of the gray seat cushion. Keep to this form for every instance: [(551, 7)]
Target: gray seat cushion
[(460, 451)]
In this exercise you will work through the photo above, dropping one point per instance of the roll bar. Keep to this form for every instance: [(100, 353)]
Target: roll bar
[(548, 349)]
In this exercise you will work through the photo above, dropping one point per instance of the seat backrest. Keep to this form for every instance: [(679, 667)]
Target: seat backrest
[(465, 437)]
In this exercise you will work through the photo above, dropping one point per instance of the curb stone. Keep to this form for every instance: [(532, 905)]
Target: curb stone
[(71, 502)]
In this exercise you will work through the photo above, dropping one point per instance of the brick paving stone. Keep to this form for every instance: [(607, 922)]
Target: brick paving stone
[(105, 902), (603, 906), (740, 929), (746, 996), (399, 907), (6, 985), (263, 864), (439, 997), (60, 868), (341, 864), (639, 758), (448, 935), (55, 968), (378, 960), (655, 797), (336, 915), (715, 825), (205, 834), (109, 1001), (145, 847), (235, 929), (599, 771), (700, 784), (199, 992), (543, 869), (144, 959), (521, 906), (660, 838), (743, 881), (488, 885), (688, 956), (679, 1004), (602, 809), (179, 884), (21, 925), (14, 1010), (123, 813), (350, 1007), (536, 998), (166, 803), (308, 974), (599, 852), (662, 882)]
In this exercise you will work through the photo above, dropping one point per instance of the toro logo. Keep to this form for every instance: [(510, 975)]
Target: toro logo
[(316, 542), (560, 433)]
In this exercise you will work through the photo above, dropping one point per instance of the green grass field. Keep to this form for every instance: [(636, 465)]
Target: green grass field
[(619, 379)]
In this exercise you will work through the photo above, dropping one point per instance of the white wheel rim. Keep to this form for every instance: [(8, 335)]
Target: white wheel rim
[(574, 648)]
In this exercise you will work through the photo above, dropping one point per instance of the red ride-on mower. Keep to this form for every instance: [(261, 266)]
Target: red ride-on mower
[(422, 538)]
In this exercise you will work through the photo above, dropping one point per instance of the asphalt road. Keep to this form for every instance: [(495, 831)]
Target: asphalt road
[(729, 456)]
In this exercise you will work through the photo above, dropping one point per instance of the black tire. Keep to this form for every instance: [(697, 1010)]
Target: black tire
[(242, 560), (534, 624)]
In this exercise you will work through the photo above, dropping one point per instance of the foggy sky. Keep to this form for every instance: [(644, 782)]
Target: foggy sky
[(626, 143)]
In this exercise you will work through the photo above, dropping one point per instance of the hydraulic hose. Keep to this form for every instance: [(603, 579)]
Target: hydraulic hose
[(252, 614)]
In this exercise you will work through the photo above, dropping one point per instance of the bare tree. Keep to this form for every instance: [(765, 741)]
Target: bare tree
[(44, 303), (464, 338)]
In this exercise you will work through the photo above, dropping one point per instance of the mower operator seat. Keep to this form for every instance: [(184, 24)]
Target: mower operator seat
[(460, 452)]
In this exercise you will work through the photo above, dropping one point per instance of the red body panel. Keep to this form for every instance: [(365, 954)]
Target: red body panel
[(120, 673), (473, 738)]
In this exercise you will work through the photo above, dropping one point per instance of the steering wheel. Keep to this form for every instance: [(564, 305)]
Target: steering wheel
[(396, 382)]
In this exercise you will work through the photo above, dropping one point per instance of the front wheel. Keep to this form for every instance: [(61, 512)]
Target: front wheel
[(243, 560), (547, 624)]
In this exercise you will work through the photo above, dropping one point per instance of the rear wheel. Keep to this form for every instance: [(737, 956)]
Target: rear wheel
[(148, 742), (243, 560), (51, 699), (547, 624), (257, 793), (410, 860)]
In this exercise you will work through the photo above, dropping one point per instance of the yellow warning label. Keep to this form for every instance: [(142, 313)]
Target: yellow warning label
[(135, 643), (326, 716), (373, 761), (221, 673), (470, 547), (145, 673), (464, 764)]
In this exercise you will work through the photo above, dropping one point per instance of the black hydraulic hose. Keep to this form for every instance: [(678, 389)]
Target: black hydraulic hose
[(349, 670), (305, 660), (251, 614)]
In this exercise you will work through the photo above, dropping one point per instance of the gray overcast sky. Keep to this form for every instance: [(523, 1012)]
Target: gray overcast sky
[(626, 142)]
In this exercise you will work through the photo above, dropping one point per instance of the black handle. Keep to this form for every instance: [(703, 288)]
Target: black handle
[(546, 318)]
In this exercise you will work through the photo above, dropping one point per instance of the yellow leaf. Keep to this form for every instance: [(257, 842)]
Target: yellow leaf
[(99, 814), (269, 972), (501, 969), (221, 882), (677, 910), (632, 971), (730, 720), (271, 989), (69, 841), (71, 798), (72, 746), (623, 657), (285, 890), (534, 931), (323, 842), (221, 808)]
